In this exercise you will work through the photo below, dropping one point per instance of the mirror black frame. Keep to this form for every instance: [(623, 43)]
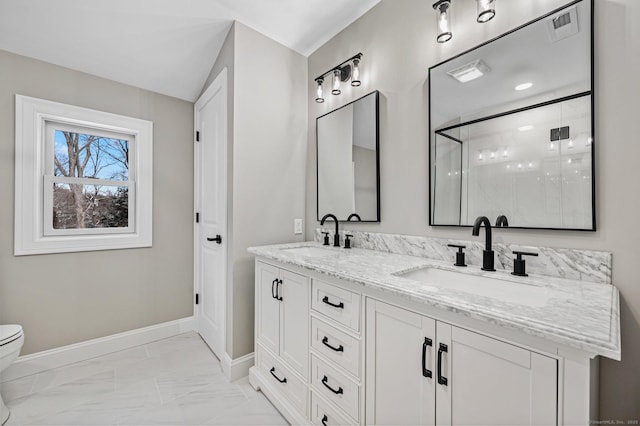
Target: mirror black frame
[(554, 101), (377, 103)]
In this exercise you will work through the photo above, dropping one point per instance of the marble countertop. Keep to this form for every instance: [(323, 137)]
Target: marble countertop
[(578, 314)]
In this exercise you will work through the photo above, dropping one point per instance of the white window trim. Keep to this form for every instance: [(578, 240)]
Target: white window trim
[(31, 117)]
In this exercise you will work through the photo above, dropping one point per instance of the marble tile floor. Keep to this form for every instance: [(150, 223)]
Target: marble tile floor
[(175, 381)]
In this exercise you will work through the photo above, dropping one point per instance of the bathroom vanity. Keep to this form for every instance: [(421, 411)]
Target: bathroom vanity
[(372, 337)]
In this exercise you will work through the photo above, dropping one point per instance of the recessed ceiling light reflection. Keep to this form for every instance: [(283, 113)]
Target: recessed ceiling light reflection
[(523, 86), (525, 128)]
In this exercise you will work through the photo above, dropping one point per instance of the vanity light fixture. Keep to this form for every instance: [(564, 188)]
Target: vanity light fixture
[(443, 20), (486, 12), (340, 73), (319, 92), (355, 74), (336, 82)]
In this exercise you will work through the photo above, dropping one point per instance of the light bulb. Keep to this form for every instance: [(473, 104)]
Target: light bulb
[(355, 73), (480, 157), (505, 153), (336, 82), (493, 155), (319, 93), (552, 146), (570, 144)]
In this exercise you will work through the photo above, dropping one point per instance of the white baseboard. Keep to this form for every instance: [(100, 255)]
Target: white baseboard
[(235, 369), (65, 355)]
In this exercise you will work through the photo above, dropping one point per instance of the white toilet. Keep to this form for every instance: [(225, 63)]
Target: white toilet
[(11, 340)]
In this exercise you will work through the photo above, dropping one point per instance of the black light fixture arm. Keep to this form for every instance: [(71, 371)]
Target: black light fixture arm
[(357, 56)]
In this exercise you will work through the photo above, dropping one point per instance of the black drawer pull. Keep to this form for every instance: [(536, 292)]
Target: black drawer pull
[(441, 379), (274, 295), (324, 420), (337, 392), (278, 287), (425, 372), (325, 341), (339, 305), (277, 378)]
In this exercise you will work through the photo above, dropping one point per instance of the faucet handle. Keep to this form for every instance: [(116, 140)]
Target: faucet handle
[(519, 264), (459, 254), (347, 241), (326, 238)]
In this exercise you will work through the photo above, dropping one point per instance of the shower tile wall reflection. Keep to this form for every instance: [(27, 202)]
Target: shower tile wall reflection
[(508, 165)]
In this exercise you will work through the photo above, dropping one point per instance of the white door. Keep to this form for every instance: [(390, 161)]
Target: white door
[(492, 382), (210, 237), (400, 366)]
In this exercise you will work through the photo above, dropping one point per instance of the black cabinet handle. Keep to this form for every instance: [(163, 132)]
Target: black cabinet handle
[(339, 305), (324, 382), (278, 286), (324, 420), (441, 379), (272, 371), (274, 295), (217, 239), (425, 372), (325, 341)]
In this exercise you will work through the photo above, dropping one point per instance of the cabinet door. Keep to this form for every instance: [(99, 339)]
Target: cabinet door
[(492, 382), (399, 357), (294, 348), (268, 321)]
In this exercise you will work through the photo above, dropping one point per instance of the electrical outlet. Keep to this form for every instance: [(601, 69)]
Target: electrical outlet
[(297, 226)]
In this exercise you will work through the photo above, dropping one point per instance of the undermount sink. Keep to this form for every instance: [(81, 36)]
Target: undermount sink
[(507, 290), (310, 251)]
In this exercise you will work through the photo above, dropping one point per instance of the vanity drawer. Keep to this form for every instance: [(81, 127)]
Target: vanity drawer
[(335, 387), (324, 414), (283, 380), (336, 345), (338, 304)]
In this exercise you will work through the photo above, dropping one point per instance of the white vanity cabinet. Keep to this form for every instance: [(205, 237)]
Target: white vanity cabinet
[(423, 372), (330, 350), (282, 334)]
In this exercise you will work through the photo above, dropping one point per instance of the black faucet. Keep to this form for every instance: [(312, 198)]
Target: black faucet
[(487, 254), (354, 215), (336, 237), (502, 222)]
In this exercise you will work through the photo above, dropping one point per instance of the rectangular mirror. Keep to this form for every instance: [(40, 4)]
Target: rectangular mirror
[(347, 141), (511, 127)]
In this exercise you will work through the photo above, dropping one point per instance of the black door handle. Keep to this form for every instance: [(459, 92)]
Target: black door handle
[(217, 239), (274, 295), (325, 341), (339, 305), (425, 372), (441, 379), (324, 420), (278, 286), (272, 371), (337, 392)]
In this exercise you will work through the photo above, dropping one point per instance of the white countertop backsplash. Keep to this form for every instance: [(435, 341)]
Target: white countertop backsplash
[(576, 313), (573, 264)]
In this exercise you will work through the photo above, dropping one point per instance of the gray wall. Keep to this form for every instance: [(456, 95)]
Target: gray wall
[(269, 150), (266, 159), (397, 38), (61, 299)]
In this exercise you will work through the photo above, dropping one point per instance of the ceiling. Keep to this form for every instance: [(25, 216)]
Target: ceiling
[(166, 46)]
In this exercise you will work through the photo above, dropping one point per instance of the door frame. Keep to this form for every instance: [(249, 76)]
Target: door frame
[(218, 84)]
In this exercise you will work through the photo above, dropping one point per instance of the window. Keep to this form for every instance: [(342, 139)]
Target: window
[(83, 179)]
